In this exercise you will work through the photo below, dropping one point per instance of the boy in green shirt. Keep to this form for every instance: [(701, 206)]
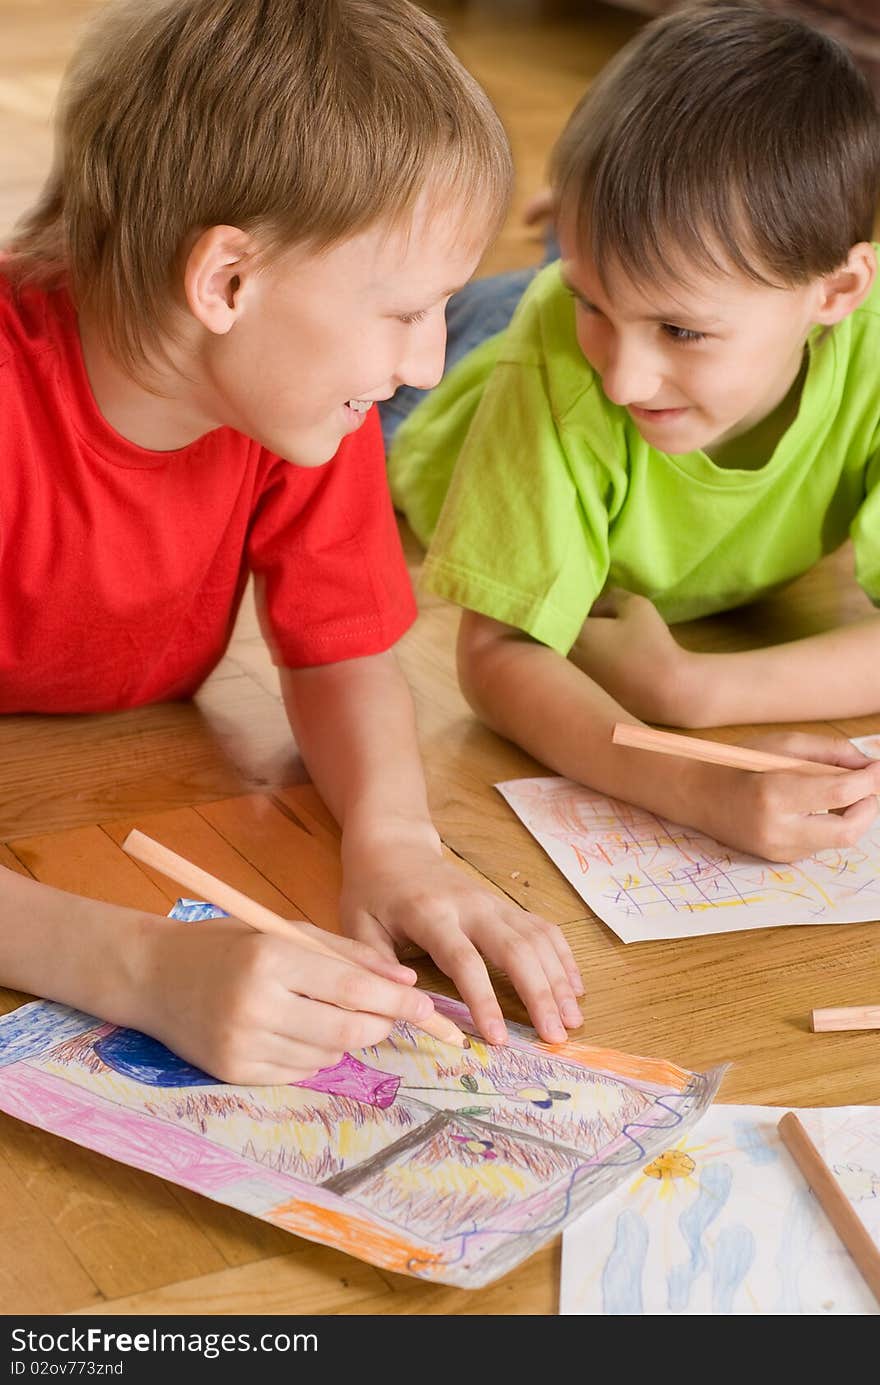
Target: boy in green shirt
[(683, 415)]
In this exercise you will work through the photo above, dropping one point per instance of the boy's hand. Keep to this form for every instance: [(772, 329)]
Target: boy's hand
[(786, 815), (255, 1008), (540, 208), (402, 890), (627, 648)]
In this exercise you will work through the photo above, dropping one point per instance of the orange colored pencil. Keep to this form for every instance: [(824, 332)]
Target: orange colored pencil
[(713, 752), (835, 1017)]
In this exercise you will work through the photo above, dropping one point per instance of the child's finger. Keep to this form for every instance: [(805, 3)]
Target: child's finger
[(372, 949), (560, 945), (827, 750), (836, 791), (856, 819), (532, 965), (459, 959), (553, 955), (337, 982), (829, 831), (539, 208), (331, 1028)]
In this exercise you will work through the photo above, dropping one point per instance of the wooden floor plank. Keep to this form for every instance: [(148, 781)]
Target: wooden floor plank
[(318, 1280), (123, 1227), (309, 809), (58, 772), (241, 1239), (534, 1282), (85, 861), (36, 1265), (305, 867), (186, 831)]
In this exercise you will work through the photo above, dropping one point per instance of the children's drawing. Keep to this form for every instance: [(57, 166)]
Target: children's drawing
[(648, 878), (723, 1222), (450, 1165)]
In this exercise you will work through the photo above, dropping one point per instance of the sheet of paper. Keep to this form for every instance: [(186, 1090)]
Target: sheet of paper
[(723, 1222), (446, 1164), (648, 878)]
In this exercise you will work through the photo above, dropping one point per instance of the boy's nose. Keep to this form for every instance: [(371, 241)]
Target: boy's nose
[(423, 365), (630, 378)]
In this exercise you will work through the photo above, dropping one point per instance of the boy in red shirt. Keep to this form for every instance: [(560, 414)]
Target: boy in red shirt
[(258, 211)]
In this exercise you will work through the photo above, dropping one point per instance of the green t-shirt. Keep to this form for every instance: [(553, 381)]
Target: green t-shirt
[(546, 491)]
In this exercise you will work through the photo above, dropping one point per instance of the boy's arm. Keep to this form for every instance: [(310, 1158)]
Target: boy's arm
[(550, 707), (833, 674), (244, 1006), (354, 723), (67, 948), (626, 647)]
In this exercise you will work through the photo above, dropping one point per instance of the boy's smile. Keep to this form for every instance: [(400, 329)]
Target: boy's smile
[(695, 365), (320, 338)]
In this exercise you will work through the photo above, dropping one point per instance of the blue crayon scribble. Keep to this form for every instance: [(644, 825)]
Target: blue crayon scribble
[(798, 1225), (733, 1258), (622, 1275), (144, 1059), (32, 1029), (750, 1141), (715, 1184)]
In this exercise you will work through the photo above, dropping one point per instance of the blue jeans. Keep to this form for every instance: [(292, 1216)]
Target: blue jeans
[(479, 310)]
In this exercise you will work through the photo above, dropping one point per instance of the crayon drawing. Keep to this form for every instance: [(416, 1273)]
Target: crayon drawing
[(724, 1223), (446, 1164), (648, 878)]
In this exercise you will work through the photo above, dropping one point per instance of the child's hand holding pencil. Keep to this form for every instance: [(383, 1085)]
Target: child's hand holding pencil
[(820, 794), (258, 999)]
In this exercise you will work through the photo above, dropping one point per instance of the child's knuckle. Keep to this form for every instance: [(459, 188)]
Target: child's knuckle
[(355, 991)]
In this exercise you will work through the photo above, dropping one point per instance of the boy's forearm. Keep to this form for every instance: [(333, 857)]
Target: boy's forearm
[(79, 951), (542, 702), (354, 724), (834, 674)]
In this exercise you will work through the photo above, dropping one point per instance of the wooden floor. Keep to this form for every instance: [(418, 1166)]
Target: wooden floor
[(219, 779)]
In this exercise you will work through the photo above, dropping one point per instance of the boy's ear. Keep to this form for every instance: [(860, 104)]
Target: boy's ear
[(217, 275), (842, 291)]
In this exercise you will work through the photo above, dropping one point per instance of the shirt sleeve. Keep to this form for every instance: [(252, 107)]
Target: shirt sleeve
[(523, 534), (865, 532), (325, 544)]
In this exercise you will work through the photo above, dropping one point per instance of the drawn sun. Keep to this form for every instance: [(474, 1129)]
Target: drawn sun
[(672, 1163), (672, 1167)]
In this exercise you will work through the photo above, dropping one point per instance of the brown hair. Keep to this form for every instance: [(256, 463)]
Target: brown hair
[(304, 121), (723, 135)]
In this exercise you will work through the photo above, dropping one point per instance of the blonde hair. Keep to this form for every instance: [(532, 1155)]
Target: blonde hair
[(302, 121)]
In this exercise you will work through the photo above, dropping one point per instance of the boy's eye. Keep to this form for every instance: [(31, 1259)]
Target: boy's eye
[(410, 318), (682, 333), (580, 302)]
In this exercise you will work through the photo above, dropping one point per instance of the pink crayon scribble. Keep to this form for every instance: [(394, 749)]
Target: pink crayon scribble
[(349, 1077)]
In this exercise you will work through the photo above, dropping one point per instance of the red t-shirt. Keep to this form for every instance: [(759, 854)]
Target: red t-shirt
[(122, 569)]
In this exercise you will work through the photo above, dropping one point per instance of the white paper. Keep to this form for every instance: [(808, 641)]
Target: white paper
[(724, 1223), (649, 878)]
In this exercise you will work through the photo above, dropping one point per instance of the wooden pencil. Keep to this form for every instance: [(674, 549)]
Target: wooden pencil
[(832, 1199), (208, 887), (713, 752), (846, 1017)]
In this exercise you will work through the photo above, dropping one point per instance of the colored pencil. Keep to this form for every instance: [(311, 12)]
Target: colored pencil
[(713, 752), (833, 1200), (846, 1017)]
